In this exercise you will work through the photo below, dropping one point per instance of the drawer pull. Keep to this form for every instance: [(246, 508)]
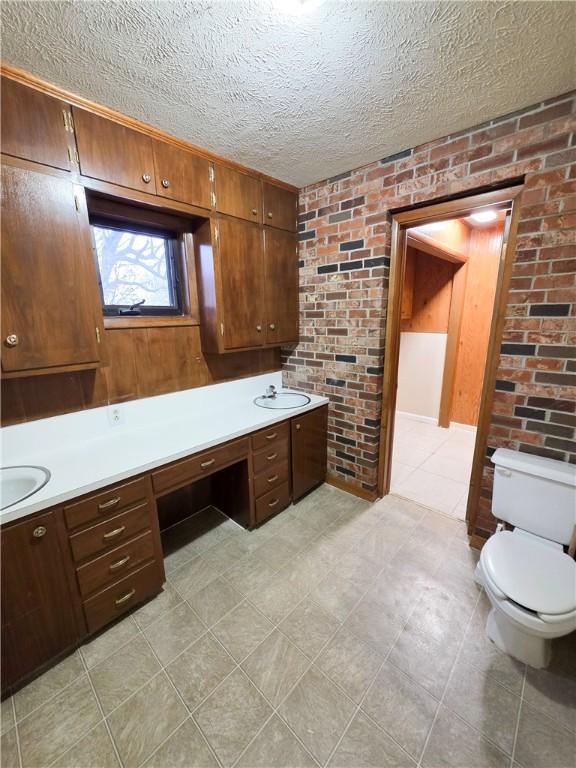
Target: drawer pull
[(108, 504), (271, 457), (273, 503), (271, 479), (115, 532), (208, 463), (272, 436), (119, 563), (126, 597)]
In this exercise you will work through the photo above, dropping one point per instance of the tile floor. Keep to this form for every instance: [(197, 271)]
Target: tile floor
[(340, 633), (432, 465)]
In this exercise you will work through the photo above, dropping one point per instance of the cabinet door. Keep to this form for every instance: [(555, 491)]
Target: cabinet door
[(281, 286), (35, 126), (111, 152), (241, 270), (280, 207), (238, 194), (182, 176), (37, 616), (309, 450), (50, 303)]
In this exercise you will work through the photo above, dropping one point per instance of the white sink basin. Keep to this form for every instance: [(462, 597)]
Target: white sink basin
[(17, 483), (283, 400)]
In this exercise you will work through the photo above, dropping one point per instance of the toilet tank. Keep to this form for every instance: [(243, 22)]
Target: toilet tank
[(535, 494)]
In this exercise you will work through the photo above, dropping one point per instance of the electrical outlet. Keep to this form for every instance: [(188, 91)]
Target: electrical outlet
[(115, 415)]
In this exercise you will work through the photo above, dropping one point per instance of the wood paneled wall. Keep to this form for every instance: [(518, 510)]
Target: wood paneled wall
[(142, 362), (431, 292)]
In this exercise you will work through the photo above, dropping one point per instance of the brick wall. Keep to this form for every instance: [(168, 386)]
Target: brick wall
[(345, 257)]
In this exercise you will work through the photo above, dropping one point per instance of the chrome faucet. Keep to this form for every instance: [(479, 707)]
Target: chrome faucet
[(270, 391)]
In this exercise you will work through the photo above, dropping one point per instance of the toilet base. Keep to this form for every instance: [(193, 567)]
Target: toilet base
[(532, 650)]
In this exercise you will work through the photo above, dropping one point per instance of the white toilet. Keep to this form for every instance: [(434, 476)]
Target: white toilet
[(529, 579)]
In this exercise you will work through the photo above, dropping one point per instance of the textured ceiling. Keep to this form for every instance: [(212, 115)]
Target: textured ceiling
[(300, 96)]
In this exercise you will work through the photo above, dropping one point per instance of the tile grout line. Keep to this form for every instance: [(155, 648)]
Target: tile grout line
[(18, 747), (516, 730)]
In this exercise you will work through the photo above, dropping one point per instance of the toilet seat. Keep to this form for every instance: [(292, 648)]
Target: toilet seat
[(532, 573)]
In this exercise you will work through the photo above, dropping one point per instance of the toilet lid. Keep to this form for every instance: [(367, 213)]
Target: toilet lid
[(537, 576)]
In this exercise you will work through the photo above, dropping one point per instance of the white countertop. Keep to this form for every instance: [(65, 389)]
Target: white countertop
[(86, 451)]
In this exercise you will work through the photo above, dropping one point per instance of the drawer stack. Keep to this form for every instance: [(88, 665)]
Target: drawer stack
[(115, 545), (271, 470)]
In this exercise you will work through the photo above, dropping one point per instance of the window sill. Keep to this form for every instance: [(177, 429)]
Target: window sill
[(111, 323)]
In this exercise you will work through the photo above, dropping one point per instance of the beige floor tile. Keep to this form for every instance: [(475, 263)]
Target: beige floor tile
[(186, 748), (276, 598), (199, 670), (553, 692), (351, 663), (232, 716), (47, 685), (309, 627), (143, 722), (318, 712), (108, 641), (441, 616), (214, 601), (6, 715), (241, 630), (405, 710), (336, 595), (359, 569), (157, 607), (58, 724), (120, 675), (226, 553), (276, 747), (174, 632), (193, 576), (9, 756), (95, 750), (542, 742), (275, 666), (369, 622), (396, 594), (484, 704), (249, 573), (454, 744), (276, 551), (425, 660), (364, 745)]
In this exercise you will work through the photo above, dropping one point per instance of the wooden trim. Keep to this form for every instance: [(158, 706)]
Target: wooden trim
[(342, 485), (21, 76), (430, 246), (452, 344), (476, 542), (28, 372), (120, 323), (400, 223)]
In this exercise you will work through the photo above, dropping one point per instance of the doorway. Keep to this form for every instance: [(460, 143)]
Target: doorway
[(450, 271)]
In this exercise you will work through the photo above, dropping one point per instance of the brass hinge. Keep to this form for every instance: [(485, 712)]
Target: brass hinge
[(221, 329), (77, 156), (98, 334), (68, 124), (77, 202), (71, 122), (213, 199), (211, 173), (65, 118), (216, 233)]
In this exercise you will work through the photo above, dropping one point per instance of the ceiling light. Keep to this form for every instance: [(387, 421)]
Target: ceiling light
[(298, 7), (488, 214)]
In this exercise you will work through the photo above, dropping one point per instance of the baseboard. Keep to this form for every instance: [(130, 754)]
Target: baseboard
[(418, 417), (463, 427), (349, 488), (477, 542)]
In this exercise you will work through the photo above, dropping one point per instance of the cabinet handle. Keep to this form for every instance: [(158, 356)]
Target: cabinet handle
[(39, 532), (126, 597), (208, 463), (254, 211), (271, 479), (12, 340), (119, 563), (272, 436), (272, 327), (271, 457), (115, 532), (146, 178), (273, 503), (269, 214), (165, 183), (297, 427), (108, 504), (258, 328)]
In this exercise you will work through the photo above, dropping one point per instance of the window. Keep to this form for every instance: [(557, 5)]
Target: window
[(139, 269)]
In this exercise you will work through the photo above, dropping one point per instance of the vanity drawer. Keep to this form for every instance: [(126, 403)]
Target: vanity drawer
[(274, 454), (113, 565), (272, 502), (267, 437), (106, 503), (272, 478), (204, 463), (110, 532), (113, 601)]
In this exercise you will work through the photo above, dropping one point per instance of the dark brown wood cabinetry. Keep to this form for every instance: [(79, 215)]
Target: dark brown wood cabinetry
[(182, 176), (36, 127), (308, 451), (280, 207), (38, 620), (51, 315), (238, 194), (281, 286)]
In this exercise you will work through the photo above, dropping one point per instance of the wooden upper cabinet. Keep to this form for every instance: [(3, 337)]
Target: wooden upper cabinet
[(238, 194), (51, 314), (182, 176), (38, 623), (280, 207), (241, 278), (111, 152), (281, 286), (35, 126)]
